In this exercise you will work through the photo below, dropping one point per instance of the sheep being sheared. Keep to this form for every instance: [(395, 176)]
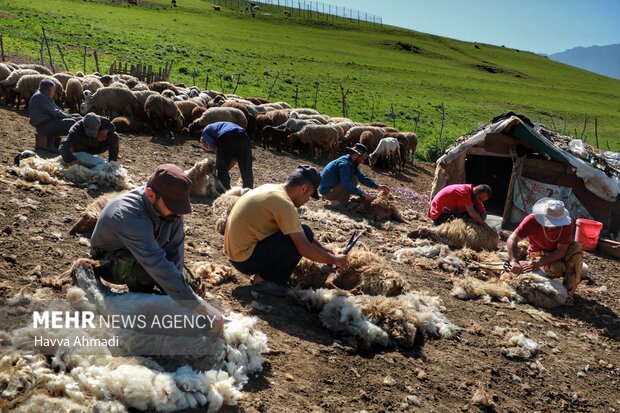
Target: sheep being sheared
[(223, 204), (88, 219), (204, 181), (367, 273), (459, 233), (383, 207)]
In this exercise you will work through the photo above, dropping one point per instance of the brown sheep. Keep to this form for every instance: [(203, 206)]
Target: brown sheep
[(186, 108), (126, 125), (163, 114), (213, 115), (275, 135), (323, 136), (272, 118), (353, 135), (161, 86), (257, 101), (369, 140), (111, 102), (250, 114), (88, 219), (197, 112)]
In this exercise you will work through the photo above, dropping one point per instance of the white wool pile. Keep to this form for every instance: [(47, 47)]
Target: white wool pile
[(371, 321), (98, 381), (90, 170), (212, 273), (340, 225), (469, 288), (515, 344)]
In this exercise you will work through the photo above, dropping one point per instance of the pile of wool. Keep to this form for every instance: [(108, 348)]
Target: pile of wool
[(377, 321), (367, 273), (532, 288), (382, 207), (515, 344), (459, 233), (90, 170), (222, 206), (435, 256), (94, 379), (340, 225), (213, 274)]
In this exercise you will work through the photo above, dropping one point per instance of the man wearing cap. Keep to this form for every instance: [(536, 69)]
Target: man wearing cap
[(454, 201), (232, 144), (45, 115), (139, 240), (549, 230), (94, 134), (264, 236), (340, 177)]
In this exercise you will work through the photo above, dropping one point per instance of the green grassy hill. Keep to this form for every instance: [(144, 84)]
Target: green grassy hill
[(383, 67)]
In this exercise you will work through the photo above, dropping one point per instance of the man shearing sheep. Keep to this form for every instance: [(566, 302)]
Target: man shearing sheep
[(94, 134)]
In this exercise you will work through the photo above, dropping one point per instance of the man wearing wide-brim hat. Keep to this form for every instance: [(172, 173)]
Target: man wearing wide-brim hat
[(340, 177), (549, 230), (93, 134)]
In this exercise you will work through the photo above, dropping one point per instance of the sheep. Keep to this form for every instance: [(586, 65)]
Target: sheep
[(213, 115), (353, 135), (275, 135), (197, 112), (368, 139), (88, 218), (161, 86), (106, 80), (272, 118), (63, 78), (142, 96), (112, 101), (320, 118), (249, 112), (5, 71), (169, 94), (126, 125), (412, 143), (186, 107), (140, 86), (74, 94), (29, 84), (204, 181), (91, 84), (388, 148), (7, 86), (382, 208), (305, 111), (323, 136), (163, 114), (39, 68), (119, 85), (459, 233), (256, 101), (222, 206)]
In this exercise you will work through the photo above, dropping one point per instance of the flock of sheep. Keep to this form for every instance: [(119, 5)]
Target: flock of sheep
[(134, 106)]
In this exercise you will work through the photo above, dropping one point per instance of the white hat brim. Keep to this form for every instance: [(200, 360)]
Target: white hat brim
[(543, 219)]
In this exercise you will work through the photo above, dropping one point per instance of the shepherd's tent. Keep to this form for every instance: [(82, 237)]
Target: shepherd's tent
[(523, 163)]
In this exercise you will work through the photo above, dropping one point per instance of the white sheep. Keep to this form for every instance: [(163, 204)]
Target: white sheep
[(29, 84), (63, 78), (387, 148), (39, 68), (74, 94), (5, 71), (213, 115)]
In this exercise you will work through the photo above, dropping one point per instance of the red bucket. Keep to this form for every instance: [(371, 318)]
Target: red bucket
[(587, 233)]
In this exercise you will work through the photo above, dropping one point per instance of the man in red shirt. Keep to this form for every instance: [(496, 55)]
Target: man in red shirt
[(549, 230), (454, 201)]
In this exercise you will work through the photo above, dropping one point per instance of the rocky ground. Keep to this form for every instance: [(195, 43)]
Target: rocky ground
[(576, 370)]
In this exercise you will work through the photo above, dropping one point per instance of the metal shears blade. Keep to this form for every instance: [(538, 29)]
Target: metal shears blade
[(354, 237)]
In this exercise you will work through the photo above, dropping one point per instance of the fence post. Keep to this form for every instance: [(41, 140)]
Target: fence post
[(393, 115), (96, 61), (62, 56), (296, 93), (316, 93), (272, 85), (207, 82), (41, 52), (237, 85), (49, 52), (2, 47), (345, 110), (84, 60), (596, 131)]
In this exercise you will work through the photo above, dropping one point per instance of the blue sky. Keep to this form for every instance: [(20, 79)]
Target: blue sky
[(541, 26)]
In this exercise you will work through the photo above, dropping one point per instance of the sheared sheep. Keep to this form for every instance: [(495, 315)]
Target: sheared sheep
[(91, 84), (163, 113), (387, 148), (323, 136), (213, 115), (222, 206), (112, 102)]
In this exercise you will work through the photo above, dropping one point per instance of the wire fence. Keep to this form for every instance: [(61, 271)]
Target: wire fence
[(313, 10)]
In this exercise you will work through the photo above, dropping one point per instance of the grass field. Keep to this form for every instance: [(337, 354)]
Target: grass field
[(382, 67)]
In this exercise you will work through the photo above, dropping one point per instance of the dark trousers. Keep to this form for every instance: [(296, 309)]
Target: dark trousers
[(110, 144), (274, 258), (230, 146), (56, 127), (445, 217)]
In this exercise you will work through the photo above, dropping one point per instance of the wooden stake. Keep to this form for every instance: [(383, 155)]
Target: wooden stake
[(49, 52), (96, 61), (393, 115), (416, 121), (596, 131), (84, 60), (443, 113), (62, 56), (316, 93), (207, 82), (585, 123), (343, 93), (237, 84), (296, 93), (2, 47), (272, 85), (41, 52)]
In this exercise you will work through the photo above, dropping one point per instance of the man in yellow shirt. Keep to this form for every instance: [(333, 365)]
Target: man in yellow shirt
[(264, 236)]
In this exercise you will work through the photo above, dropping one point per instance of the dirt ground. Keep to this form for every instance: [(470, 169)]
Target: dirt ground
[(310, 370)]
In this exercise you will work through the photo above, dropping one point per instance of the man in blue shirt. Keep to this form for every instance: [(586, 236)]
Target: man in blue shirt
[(340, 178), (231, 143)]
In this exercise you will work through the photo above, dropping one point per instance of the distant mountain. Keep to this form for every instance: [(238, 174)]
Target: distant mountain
[(604, 60)]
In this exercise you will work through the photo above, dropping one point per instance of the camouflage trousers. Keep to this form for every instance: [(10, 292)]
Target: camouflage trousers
[(569, 267), (121, 268)]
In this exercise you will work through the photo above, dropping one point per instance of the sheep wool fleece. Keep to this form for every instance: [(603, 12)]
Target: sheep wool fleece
[(569, 267)]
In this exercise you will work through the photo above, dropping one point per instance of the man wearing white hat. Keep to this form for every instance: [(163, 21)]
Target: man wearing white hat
[(549, 230)]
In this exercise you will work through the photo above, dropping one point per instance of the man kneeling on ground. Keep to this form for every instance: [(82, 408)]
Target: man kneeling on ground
[(94, 134), (139, 238), (264, 236), (549, 230)]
